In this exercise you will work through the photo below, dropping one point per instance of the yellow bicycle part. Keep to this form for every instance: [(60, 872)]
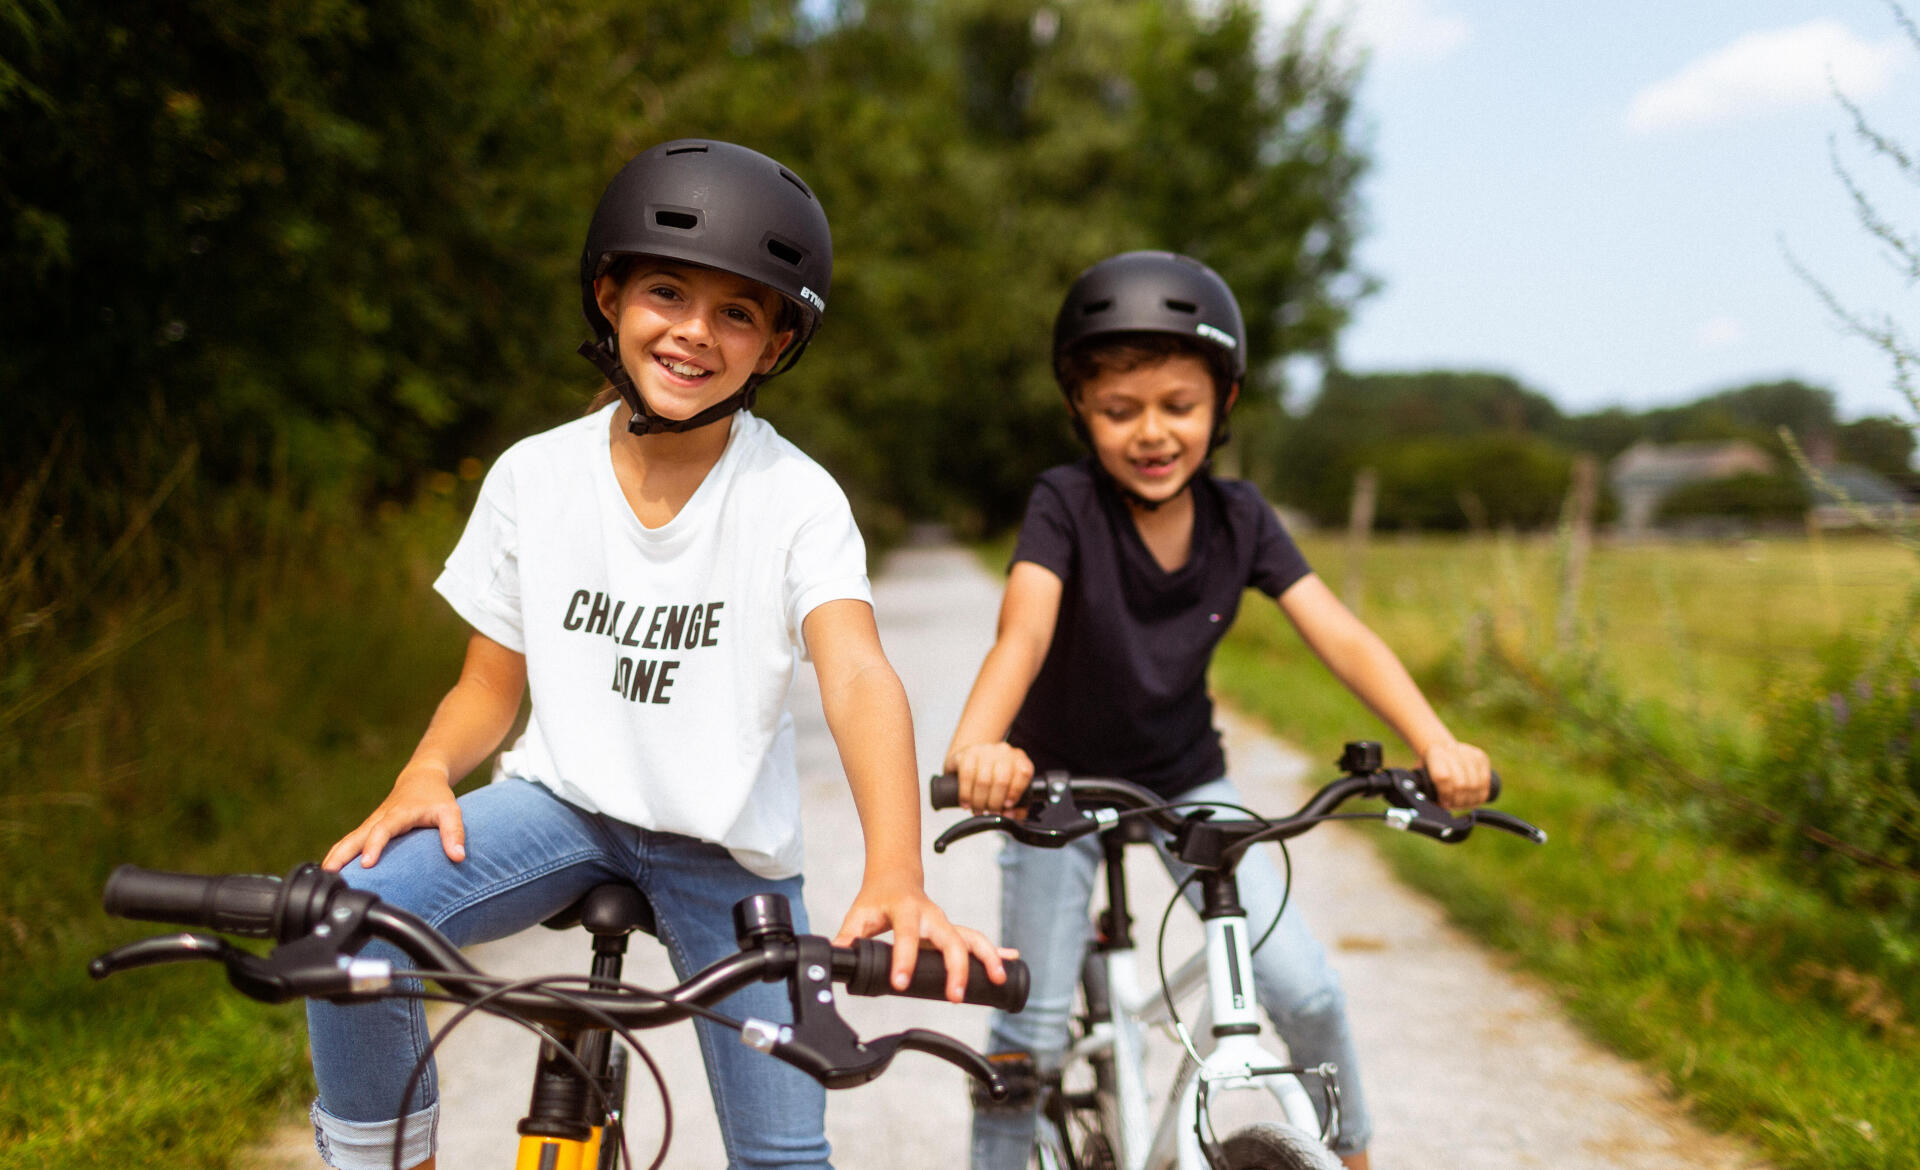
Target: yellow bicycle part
[(551, 1153)]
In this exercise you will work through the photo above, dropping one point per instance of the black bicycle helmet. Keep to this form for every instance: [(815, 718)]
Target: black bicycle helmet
[(1155, 292), (720, 206)]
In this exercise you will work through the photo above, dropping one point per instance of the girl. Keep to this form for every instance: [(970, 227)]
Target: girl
[(651, 573)]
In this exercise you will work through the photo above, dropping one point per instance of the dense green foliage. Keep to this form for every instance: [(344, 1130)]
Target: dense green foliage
[(333, 243), (245, 734), (1847, 769), (1746, 497)]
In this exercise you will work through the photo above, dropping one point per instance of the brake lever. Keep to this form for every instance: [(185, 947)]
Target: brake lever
[(1052, 818), (311, 966), (1495, 819), (1026, 832), (955, 1053), (184, 947)]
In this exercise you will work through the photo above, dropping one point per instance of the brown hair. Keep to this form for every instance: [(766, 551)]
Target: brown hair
[(1118, 353)]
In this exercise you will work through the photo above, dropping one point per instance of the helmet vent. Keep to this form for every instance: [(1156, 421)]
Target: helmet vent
[(790, 177), (684, 221), (1182, 306), (1092, 307), (784, 251), (691, 148)]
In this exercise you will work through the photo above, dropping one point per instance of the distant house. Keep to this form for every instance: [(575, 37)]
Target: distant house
[(1851, 495), (1646, 473)]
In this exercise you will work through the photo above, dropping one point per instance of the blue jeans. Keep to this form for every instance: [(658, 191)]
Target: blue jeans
[(1044, 896), (529, 855)]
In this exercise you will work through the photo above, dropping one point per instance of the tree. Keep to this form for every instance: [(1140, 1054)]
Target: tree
[(1400, 424)]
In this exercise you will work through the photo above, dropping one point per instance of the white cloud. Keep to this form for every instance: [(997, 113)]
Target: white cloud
[(1765, 71), (1721, 332), (1394, 30)]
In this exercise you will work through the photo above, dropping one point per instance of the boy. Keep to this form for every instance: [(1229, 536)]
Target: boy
[(1129, 569)]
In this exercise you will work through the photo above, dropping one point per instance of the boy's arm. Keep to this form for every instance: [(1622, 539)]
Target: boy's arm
[(866, 709), (993, 775), (468, 725), (1370, 669)]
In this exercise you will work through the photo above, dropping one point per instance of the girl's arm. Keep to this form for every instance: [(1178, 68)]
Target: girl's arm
[(468, 725), (1369, 668), (866, 709), (993, 774)]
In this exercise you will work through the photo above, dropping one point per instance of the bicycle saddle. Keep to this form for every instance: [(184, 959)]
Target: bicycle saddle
[(612, 908)]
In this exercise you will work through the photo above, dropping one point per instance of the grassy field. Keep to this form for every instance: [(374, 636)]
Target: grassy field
[(1706, 628), (247, 734), (1766, 1009)]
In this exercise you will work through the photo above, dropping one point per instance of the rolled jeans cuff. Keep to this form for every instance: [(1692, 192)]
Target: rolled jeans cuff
[(368, 1145)]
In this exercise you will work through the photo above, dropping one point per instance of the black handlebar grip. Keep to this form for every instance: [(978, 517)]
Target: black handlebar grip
[(872, 976), (1493, 787), (243, 904), (943, 791)]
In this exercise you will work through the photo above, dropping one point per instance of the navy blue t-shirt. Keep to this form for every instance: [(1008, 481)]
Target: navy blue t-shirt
[(1123, 690)]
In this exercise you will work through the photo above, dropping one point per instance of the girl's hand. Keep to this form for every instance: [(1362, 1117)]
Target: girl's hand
[(1461, 773), (421, 796), (993, 776), (904, 908)]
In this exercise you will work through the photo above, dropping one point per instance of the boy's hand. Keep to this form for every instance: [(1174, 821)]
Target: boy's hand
[(993, 776), (915, 921), (421, 796), (1461, 773)]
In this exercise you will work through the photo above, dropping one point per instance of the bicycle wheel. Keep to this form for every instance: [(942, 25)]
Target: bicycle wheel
[(1269, 1145), (615, 1085)]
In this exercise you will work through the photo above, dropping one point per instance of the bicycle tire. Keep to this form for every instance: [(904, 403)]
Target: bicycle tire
[(1269, 1145), (616, 1090)]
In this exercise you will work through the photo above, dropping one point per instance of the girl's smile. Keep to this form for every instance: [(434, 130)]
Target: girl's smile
[(690, 336)]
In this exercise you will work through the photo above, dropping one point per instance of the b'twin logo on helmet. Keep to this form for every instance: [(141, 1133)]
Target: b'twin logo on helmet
[(813, 298), (1218, 336)]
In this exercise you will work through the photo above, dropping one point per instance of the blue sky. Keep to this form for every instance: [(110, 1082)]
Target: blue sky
[(1601, 199)]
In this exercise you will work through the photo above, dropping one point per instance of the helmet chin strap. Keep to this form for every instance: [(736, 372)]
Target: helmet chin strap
[(643, 420)]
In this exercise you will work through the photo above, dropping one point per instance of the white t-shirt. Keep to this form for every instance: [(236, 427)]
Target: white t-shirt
[(659, 659)]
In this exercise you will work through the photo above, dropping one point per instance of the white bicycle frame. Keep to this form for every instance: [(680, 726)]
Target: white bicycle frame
[(1238, 1060)]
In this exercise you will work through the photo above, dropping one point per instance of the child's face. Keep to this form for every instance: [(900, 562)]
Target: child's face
[(690, 336), (1151, 425)]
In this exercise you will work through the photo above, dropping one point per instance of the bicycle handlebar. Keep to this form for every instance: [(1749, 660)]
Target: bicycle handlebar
[(1052, 810), (321, 924)]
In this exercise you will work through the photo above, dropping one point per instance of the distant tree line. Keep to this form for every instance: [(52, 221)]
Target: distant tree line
[(1454, 450), (331, 247)]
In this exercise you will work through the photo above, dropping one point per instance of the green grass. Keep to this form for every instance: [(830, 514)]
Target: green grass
[(1703, 628), (247, 735), (1764, 1008)]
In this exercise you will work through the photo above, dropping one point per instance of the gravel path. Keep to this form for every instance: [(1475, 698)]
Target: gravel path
[(1469, 1065)]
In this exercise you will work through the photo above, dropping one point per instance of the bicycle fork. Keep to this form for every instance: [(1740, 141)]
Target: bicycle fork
[(1238, 1060)]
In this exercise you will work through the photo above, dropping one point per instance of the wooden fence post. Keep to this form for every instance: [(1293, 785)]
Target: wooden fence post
[(1366, 489), (1577, 528)]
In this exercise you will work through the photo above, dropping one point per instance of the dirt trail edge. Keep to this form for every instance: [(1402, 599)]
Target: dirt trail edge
[(1468, 1065)]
